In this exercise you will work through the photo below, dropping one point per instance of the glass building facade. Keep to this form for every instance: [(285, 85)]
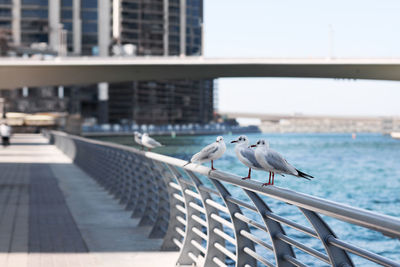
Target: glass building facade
[(160, 102), (154, 27), (34, 22)]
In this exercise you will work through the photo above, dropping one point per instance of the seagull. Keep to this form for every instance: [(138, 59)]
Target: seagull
[(211, 152), (274, 162), (149, 142), (138, 139), (246, 155)]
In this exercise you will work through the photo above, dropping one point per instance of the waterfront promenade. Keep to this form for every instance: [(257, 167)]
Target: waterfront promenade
[(135, 204), (53, 214)]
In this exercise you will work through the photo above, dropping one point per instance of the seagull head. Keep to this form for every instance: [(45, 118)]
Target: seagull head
[(220, 139), (261, 143), (145, 134), (137, 134), (241, 140)]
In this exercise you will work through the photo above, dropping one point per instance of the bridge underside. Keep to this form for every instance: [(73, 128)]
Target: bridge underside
[(31, 73), (53, 214)]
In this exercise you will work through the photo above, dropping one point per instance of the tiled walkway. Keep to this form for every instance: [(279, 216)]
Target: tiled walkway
[(53, 214)]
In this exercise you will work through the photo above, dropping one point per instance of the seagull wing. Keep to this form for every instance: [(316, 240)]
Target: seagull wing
[(249, 154), (205, 153), (153, 142), (279, 163)]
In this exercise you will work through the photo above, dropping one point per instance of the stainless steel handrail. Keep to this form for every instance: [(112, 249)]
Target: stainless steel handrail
[(202, 230)]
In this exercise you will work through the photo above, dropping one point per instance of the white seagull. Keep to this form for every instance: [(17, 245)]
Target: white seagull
[(273, 162), (211, 152), (246, 155), (138, 139), (149, 142)]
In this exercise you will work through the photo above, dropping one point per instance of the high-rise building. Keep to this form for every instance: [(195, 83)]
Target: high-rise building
[(161, 27), (98, 28)]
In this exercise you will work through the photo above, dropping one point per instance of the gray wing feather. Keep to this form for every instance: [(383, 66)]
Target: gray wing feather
[(153, 142), (250, 156), (275, 160), (205, 153), (209, 150)]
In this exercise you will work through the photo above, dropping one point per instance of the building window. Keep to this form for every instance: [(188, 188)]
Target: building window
[(89, 3), (35, 2), (34, 13)]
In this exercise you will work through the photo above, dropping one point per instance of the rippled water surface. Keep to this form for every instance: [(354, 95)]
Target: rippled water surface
[(364, 172)]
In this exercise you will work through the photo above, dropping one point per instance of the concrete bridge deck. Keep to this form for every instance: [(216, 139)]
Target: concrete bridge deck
[(53, 214)]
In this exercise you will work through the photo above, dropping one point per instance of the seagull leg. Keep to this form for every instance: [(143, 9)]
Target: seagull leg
[(273, 178), (212, 165), (248, 176), (142, 147), (149, 149), (269, 180)]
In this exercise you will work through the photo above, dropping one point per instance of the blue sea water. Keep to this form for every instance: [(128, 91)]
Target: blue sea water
[(362, 172)]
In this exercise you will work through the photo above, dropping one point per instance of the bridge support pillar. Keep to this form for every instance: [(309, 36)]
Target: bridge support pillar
[(102, 108)]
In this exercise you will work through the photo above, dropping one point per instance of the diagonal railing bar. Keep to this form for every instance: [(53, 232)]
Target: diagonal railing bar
[(193, 210)]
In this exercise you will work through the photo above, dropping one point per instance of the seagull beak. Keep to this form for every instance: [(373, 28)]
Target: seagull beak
[(252, 146), (234, 141)]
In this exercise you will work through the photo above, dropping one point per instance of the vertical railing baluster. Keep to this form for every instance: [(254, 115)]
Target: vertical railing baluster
[(173, 223), (133, 184), (161, 221), (152, 202), (274, 229), (125, 188), (188, 247), (211, 225), (141, 180), (337, 256), (241, 242)]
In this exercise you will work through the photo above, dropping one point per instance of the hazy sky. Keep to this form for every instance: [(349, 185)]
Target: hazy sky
[(309, 28)]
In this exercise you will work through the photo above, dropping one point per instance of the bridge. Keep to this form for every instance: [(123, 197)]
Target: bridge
[(17, 73), (277, 117), (81, 202)]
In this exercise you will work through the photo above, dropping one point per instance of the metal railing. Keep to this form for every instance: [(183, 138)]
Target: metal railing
[(217, 219)]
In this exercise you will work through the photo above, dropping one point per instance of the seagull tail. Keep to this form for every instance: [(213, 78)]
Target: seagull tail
[(304, 175), (195, 158)]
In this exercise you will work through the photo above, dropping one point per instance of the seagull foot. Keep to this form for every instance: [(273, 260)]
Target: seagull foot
[(213, 169), (245, 178), (265, 184)]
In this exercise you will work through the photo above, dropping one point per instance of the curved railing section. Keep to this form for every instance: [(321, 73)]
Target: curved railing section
[(216, 219)]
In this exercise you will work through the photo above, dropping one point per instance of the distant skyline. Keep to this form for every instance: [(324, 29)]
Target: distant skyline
[(317, 29)]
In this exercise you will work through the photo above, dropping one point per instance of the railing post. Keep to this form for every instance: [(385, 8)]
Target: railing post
[(152, 201), (161, 222), (171, 233), (337, 256), (274, 229), (141, 180), (213, 238), (190, 237), (241, 242), (133, 184)]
